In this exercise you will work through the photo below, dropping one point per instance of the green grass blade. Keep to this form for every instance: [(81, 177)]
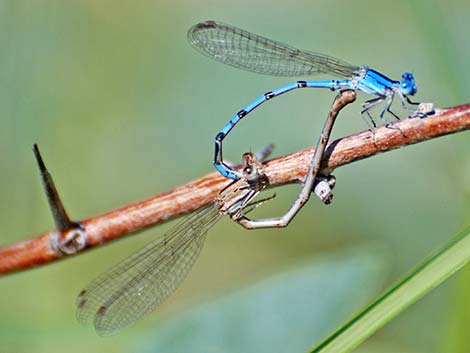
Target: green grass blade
[(428, 275)]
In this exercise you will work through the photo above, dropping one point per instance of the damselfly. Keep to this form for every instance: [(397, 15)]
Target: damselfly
[(245, 50)]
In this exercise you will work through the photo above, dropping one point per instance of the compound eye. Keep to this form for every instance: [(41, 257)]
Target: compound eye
[(248, 170)]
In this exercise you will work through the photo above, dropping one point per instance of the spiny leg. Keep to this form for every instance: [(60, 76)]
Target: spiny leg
[(424, 108), (387, 109), (366, 107), (410, 102), (406, 99), (251, 207)]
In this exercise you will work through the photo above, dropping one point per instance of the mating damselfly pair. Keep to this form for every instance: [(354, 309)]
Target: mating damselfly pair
[(138, 284)]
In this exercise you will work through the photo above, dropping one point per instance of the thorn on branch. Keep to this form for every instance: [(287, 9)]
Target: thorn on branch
[(70, 236)]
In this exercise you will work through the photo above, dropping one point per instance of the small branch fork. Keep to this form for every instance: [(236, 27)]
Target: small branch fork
[(72, 237)]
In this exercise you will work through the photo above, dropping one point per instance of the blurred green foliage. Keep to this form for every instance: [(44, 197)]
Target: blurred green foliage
[(123, 108), (260, 318)]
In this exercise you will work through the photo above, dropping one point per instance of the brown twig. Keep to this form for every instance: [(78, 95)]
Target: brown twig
[(291, 168)]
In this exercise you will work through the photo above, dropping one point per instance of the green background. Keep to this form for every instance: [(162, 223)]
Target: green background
[(123, 108)]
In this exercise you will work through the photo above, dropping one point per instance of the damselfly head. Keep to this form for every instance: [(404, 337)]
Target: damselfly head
[(407, 84), (253, 171), (234, 197)]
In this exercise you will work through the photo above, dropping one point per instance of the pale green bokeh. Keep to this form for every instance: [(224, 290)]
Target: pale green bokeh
[(123, 108)]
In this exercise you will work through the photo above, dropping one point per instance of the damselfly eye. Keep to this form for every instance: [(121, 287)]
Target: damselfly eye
[(248, 170)]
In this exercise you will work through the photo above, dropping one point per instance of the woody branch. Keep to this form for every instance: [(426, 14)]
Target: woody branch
[(98, 230)]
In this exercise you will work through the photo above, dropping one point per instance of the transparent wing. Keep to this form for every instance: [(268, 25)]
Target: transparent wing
[(236, 47), (120, 296)]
